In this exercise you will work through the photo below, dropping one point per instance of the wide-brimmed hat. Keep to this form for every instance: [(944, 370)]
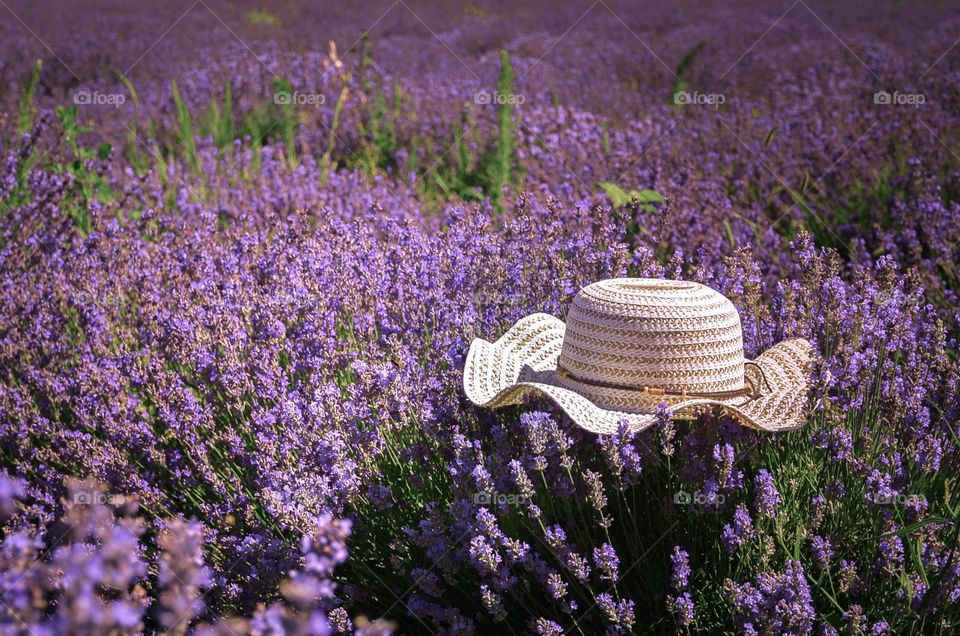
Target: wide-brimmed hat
[(630, 344)]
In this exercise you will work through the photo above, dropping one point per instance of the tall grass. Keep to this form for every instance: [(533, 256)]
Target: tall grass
[(27, 95), (185, 133)]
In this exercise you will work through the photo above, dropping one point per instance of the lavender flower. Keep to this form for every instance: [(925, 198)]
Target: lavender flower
[(683, 608), (493, 604), (182, 577), (780, 603), (822, 551), (767, 498), (740, 532), (255, 316), (666, 430), (607, 563), (620, 614), (680, 561), (545, 627)]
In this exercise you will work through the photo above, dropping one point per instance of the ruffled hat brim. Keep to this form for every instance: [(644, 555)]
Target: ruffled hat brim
[(524, 360)]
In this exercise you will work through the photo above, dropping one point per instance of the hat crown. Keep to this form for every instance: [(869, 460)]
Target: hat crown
[(640, 333)]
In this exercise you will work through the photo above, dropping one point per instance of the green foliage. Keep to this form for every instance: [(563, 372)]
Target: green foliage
[(500, 164), (769, 138), (683, 68), (620, 197), (185, 137), (865, 205), (366, 61), (89, 183), (327, 159), (267, 122), (27, 95), (461, 174), (133, 152), (454, 173), (288, 118), (20, 194), (228, 127), (262, 16), (642, 212), (379, 113), (219, 122), (378, 132)]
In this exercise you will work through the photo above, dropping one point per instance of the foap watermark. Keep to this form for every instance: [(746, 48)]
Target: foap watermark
[(685, 98), (896, 98), (296, 98), (96, 98), (486, 97), (295, 301), (484, 299), (116, 300), (898, 499), (486, 498), (93, 497), (684, 498)]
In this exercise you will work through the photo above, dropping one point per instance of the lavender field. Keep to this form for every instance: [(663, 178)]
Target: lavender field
[(245, 247)]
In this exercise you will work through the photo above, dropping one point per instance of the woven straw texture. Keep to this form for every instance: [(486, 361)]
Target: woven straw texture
[(629, 345)]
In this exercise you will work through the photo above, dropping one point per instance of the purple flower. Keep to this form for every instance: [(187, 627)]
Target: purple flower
[(683, 608), (822, 551), (728, 477), (556, 538), (262, 328), (848, 579), (740, 531), (666, 429), (767, 497), (484, 556), (326, 547), (545, 627), (606, 560), (182, 575), (493, 604), (838, 442), (680, 561), (621, 456), (778, 603), (556, 586), (11, 489), (879, 628), (619, 614)]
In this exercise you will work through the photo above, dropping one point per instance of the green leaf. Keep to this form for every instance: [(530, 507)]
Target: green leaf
[(684, 65), (647, 196), (773, 131), (288, 119), (617, 195), (729, 231), (68, 117), (913, 527), (620, 197), (261, 16), (686, 61), (133, 92), (186, 129), (27, 95)]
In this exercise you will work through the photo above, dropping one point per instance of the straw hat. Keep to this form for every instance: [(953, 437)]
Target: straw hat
[(630, 344)]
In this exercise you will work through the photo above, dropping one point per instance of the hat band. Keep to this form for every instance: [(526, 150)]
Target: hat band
[(746, 391)]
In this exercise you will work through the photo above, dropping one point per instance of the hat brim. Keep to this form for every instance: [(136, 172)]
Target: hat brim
[(524, 361)]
